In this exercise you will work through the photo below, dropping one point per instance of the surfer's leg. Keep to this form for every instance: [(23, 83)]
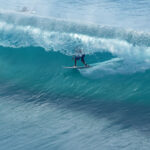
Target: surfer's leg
[(75, 62), (83, 61)]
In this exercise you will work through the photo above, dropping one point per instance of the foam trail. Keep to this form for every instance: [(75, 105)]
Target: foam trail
[(114, 66)]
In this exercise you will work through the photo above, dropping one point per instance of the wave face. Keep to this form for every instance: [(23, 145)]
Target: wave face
[(51, 42), (55, 102)]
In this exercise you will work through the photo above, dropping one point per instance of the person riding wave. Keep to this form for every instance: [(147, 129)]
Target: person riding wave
[(79, 56)]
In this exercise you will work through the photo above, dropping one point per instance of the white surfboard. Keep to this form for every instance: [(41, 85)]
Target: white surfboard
[(99, 64), (77, 67)]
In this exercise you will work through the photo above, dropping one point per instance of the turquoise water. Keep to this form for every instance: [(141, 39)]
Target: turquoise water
[(44, 106)]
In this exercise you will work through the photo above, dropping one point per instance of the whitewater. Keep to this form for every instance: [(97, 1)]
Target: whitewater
[(44, 106)]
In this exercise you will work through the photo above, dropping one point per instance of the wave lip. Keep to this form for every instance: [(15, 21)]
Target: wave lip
[(62, 26)]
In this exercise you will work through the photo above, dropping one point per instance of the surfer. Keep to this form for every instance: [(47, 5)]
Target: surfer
[(79, 56)]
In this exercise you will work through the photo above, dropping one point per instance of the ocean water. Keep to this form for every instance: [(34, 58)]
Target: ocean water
[(46, 107)]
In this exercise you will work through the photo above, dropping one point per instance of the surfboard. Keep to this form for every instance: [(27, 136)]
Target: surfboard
[(98, 64), (77, 67)]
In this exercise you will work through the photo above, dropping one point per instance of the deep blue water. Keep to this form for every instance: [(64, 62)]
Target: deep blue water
[(46, 107)]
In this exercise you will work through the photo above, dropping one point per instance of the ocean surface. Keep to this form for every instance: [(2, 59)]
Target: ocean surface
[(46, 107)]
